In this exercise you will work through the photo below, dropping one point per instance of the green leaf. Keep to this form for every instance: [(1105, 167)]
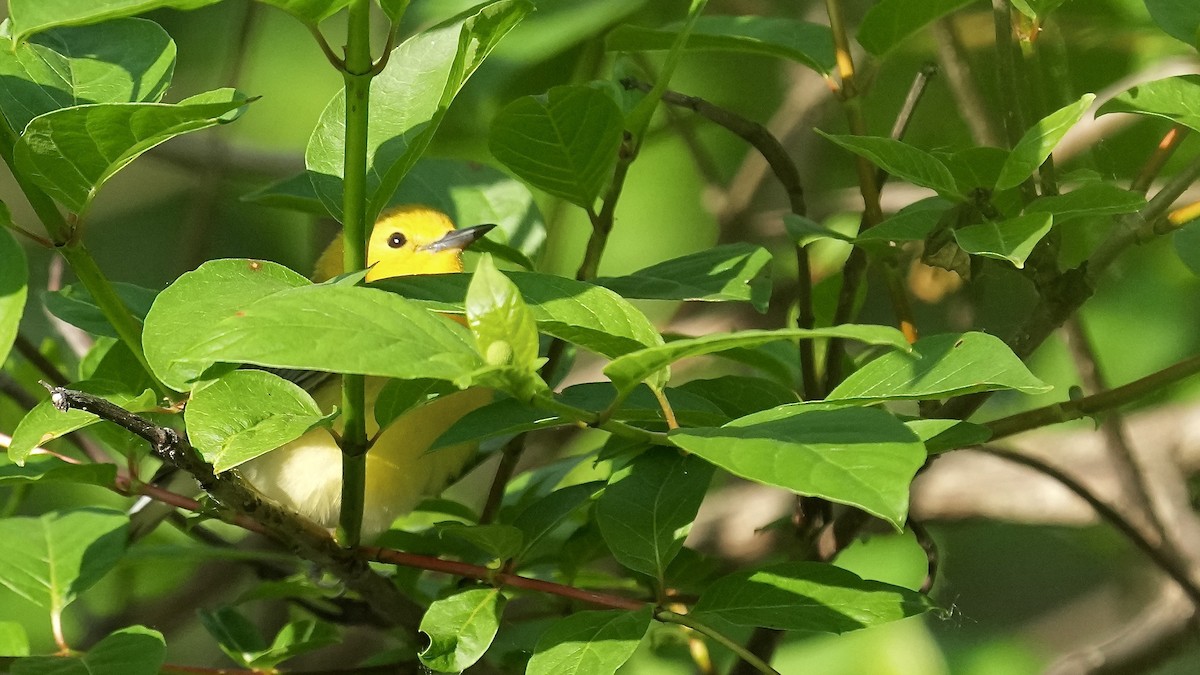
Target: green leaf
[(409, 98), (737, 272), (738, 396), (628, 370), (14, 280), (889, 22), (1173, 98), (1038, 9), (1088, 201), (863, 457), (399, 396), (295, 638), (807, 596), (13, 639), (1037, 143), (945, 435), (543, 517), (500, 541), (902, 160), (589, 643), (1012, 240), (74, 304), (913, 223), (976, 167), (590, 316), (235, 634), (44, 468), (806, 43), (134, 650), (201, 298), (940, 366), (339, 329), (246, 413), (460, 628), (804, 230), (1178, 18), (71, 153), (61, 554), (648, 507), (122, 61), (564, 142), (310, 12), (504, 329), (505, 417), (1187, 245), (33, 16), (45, 422)]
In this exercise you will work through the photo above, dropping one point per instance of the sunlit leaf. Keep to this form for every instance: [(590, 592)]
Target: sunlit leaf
[(589, 643), (31, 16), (45, 422), (134, 650), (460, 628), (1039, 141), (1173, 98)]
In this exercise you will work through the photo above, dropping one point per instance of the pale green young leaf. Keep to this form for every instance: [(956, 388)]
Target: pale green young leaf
[(1174, 98), (940, 366), (45, 422), (889, 22), (32, 16), (199, 299), (65, 153), (409, 98), (121, 61), (733, 272), (863, 457), (589, 643), (806, 43), (460, 628), (902, 161), (647, 509), (1038, 142), (61, 554), (504, 329), (807, 596), (564, 142), (134, 650), (14, 285), (246, 413), (1012, 240), (630, 369)]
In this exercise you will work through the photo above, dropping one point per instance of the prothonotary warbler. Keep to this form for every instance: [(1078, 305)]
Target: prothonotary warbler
[(306, 474)]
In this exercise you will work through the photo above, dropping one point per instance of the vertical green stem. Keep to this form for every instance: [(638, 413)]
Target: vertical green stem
[(357, 82)]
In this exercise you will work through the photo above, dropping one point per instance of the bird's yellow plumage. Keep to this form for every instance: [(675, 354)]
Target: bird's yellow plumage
[(306, 474)]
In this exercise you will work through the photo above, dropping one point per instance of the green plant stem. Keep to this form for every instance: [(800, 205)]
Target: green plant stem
[(357, 83), (1096, 403), (639, 117), (599, 421), (1158, 159), (704, 629)]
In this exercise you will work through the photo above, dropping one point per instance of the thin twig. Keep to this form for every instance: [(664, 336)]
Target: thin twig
[(704, 629), (334, 60), (1158, 159)]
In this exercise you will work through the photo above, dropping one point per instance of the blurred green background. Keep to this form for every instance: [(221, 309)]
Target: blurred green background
[(1016, 595)]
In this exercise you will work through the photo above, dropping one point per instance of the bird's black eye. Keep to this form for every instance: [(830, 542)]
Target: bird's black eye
[(397, 240)]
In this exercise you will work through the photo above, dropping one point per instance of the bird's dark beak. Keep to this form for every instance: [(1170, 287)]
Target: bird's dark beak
[(458, 239)]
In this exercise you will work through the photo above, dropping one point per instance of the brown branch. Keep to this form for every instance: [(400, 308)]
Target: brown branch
[(31, 353), (1158, 159)]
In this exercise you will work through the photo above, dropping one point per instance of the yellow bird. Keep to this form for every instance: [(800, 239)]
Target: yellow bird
[(306, 474)]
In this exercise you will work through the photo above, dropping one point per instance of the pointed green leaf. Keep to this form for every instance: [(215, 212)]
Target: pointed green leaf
[(1178, 18), (199, 299), (1173, 98), (804, 230), (70, 153), (399, 396), (1037, 143), (564, 142), (1088, 201), (945, 435), (42, 467), (543, 517), (75, 305), (409, 98), (628, 370), (460, 628), (738, 396), (807, 596), (45, 422), (295, 638), (246, 413), (806, 43), (575, 311), (121, 61), (14, 280), (863, 457), (738, 272), (940, 366), (889, 22), (134, 650), (647, 509), (589, 643), (1012, 240), (913, 223), (902, 160), (32, 16), (234, 632), (61, 554)]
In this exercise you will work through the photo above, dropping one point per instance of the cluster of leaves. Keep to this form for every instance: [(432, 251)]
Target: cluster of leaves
[(81, 99)]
